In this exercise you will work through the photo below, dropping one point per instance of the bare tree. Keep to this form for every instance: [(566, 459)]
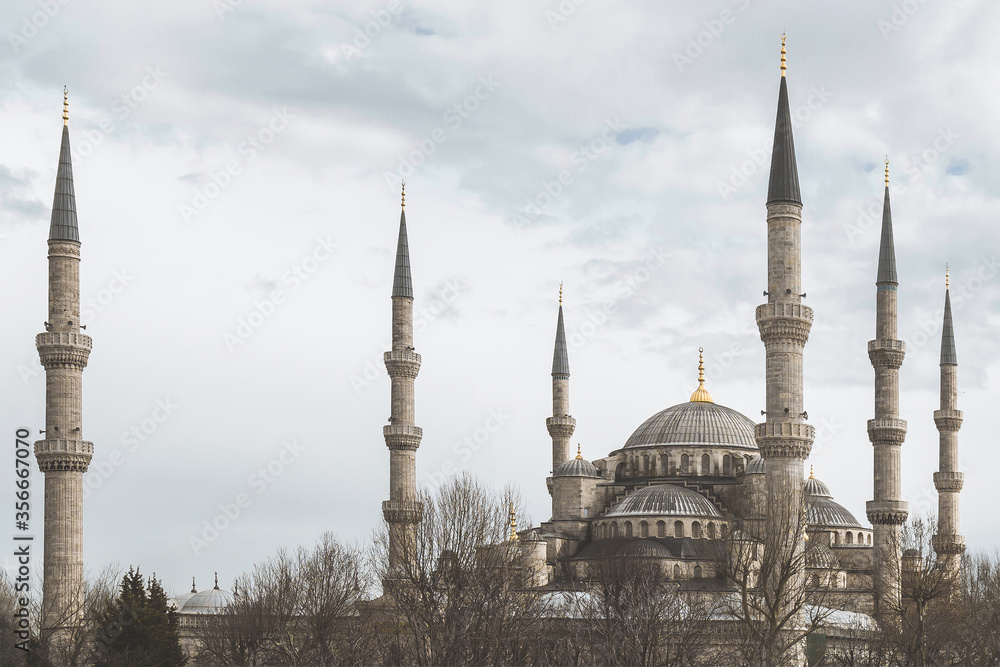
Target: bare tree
[(980, 629)]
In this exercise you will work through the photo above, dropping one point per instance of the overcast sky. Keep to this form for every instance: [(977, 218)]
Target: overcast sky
[(237, 169)]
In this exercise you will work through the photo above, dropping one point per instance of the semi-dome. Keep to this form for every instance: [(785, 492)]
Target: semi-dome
[(822, 509), (644, 549), (695, 423), (755, 467), (578, 467), (814, 487), (212, 601), (665, 500), (820, 556)]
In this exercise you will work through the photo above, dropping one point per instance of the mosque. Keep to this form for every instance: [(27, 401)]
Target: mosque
[(675, 493)]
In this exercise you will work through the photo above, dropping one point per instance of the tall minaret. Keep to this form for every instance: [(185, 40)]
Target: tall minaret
[(887, 511), (948, 544), (784, 438), (402, 510), (63, 456), (560, 424)]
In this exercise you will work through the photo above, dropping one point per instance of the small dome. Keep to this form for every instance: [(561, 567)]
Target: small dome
[(695, 423), (820, 557), (644, 549), (578, 467), (824, 511), (814, 487), (665, 500), (212, 601), (755, 467)]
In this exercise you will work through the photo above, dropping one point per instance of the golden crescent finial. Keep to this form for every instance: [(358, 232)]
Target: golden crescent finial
[(947, 276), (701, 394), (403, 193), (783, 65), (560, 293), (811, 472), (886, 171), (65, 105), (513, 524), (579, 453)]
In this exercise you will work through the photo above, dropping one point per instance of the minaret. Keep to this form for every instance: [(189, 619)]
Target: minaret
[(784, 439), (402, 511), (887, 511), (63, 456), (560, 424), (948, 544)]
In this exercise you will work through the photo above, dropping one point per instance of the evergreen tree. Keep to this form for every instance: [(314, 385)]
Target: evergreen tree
[(139, 629)]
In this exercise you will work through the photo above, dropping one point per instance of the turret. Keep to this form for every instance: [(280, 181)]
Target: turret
[(887, 512), (402, 511), (948, 543), (560, 424)]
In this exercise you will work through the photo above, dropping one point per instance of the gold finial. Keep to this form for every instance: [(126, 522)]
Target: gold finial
[(404, 194), (701, 394), (513, 524), (886, 171), (560, 293), (811, 472), (783, 66), (65, 105), (947, 276), (579, 453)]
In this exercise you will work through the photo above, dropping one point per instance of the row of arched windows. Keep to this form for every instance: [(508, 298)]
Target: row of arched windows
[(643, 529), (852, 538), (663, 464)]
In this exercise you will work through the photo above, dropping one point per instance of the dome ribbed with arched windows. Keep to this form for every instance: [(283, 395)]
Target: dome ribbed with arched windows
[(695, 423), (665, 500)]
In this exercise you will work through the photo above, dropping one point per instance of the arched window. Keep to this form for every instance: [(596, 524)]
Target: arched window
[(697, 571), (665, 464), (677, 571), (643, 529), (814, 581), (836, 537), (614, 529), (661, 529), (727, 465), (725, 531), (711, 531), (685, 464), (620, 471), (628, 529), (706, 464), (869, 540), (849, 537), (678, 529), (645, 464), (695, 530)]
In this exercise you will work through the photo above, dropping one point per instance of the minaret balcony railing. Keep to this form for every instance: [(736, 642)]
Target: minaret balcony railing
[(791, 439), (778, 320), (885, 353), (402, 363), (948, 420), (887, 430), (948, 544), (402, 511), (62, 348), (563, 425), (58, 455), (949, 480), (402, 436), (892, 512)]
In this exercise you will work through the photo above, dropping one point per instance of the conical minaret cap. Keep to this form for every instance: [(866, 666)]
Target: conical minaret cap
[(63, 226), (783, 185), (401, 283), (948, 355), (887, 252), (560, 356)]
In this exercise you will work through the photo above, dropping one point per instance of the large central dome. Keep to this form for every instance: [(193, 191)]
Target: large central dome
[(695, 423)]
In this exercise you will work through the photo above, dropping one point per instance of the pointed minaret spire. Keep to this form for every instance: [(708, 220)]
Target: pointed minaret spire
[(948, 543), (783, 185), (401, 283), (560, 424), (403, 509), (887, 253), (63, 226), (63, 456)]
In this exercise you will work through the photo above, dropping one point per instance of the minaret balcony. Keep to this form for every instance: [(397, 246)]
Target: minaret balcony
[(402, 363), (948, 420), (887, 431), (402, 511), (561, 426), (788, 439), (892, 512), (63, 348), (948, 544), (781, 320), (886, 353), (402, 436), (949, 480), (63, 455)]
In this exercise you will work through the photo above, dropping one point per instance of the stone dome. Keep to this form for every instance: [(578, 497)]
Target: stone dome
[(212, 601), (823, 510), (665, 500), (755, 467), (695, 423), (819, 556), (578, 467), (644, 549)]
